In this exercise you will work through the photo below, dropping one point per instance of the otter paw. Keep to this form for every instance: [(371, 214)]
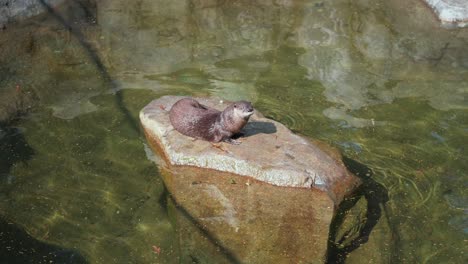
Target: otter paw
[(232, 141)]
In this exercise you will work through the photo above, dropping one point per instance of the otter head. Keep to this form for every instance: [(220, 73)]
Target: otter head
[(242, 110), (236, 116)]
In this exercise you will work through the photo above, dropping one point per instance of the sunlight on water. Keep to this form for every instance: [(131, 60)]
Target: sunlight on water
[(379, 80)]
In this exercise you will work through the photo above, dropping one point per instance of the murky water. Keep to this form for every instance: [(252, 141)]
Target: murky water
[(379, 80)]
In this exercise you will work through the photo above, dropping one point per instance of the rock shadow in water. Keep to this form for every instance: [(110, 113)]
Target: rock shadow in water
[(16, 246), (376, 196), (13, 149)]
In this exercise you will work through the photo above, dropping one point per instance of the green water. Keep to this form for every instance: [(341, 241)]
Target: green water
[(379, 80)]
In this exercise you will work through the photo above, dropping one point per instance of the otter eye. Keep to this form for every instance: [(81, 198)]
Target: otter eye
[(235, 106)]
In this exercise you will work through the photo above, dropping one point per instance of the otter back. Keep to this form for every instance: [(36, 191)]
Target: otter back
[(193, 119)]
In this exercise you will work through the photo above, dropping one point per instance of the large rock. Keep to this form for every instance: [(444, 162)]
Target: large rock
[(270, 152), (233, 200), (450, 12)]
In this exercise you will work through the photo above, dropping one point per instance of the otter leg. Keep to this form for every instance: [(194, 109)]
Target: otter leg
[(220, 147)]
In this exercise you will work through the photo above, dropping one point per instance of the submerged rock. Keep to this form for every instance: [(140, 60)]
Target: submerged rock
[(12, 10), (14, 102), (236, 193)]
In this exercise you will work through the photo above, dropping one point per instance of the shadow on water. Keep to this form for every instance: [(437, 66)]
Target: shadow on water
[(96, 60), (376, 197), (88, 7), (13, 149), (16, 246)]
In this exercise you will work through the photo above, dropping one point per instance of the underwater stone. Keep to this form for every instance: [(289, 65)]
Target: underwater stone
[(450, 12), (14, 102), (13, 10), (269, 152)]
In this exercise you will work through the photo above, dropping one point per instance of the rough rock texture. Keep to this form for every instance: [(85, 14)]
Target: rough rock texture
[(451, 12), (227, 218), (269, 153)]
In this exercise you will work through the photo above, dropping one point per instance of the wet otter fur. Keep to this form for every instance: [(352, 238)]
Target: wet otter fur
[(193, 119)]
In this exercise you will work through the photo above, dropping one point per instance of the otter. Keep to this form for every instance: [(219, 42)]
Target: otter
[(193, 119)]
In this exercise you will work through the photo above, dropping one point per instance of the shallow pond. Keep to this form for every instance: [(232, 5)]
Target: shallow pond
[(379, 80)]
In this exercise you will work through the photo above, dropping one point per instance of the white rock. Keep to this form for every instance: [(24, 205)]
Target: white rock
[(451, 12)]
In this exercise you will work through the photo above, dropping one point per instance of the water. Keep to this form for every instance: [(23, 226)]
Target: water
[(379, 80)]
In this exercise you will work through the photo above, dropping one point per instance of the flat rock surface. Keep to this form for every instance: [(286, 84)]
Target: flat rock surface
[(451, 11), (269, 152)]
